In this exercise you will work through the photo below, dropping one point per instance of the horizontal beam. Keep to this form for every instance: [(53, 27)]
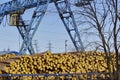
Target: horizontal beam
[(17, 5)]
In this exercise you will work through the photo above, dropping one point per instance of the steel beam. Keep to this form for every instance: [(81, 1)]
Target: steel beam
[(66, 15), (34, 24), (22, 28)]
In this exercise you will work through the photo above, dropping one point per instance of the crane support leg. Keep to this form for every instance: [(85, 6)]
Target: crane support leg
[(22, 30), (65, 13), (34, 24)]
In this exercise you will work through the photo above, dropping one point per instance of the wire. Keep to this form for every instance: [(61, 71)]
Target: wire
[(53, 32)]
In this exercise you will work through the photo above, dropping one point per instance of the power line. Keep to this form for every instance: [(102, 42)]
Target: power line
[(53, 32)]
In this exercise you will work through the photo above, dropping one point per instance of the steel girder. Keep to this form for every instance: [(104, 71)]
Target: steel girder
[(66, 15), (17, 5), (27, 31), (34, 24), (22, 28)]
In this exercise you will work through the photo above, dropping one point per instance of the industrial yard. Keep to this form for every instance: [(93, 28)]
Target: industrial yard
[(91, 46), (62, 63)]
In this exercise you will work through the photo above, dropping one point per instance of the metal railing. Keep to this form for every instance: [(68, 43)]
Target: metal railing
[(76, 76)]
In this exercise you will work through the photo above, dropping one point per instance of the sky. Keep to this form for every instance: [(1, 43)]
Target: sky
[(51, 30)]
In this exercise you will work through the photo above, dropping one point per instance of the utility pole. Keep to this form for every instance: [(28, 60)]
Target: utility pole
[(66, 45), (36, 45), (50, 46), (8, 49)]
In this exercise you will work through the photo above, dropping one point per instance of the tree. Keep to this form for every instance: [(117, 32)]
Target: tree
[(114, 9), (103, 19)]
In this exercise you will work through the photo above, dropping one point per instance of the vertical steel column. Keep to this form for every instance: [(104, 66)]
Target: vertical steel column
[(65, 13), (22, 28), (34, 24)]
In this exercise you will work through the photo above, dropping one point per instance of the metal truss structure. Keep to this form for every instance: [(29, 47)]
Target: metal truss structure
[(28, 31)]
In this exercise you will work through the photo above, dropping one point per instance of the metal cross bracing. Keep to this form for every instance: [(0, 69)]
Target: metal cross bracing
[(28, 31), (22, 30), (34, 24), (66, 15), (17, 5)]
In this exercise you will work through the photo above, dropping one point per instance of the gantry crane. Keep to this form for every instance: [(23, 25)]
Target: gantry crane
[(16, 8)]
